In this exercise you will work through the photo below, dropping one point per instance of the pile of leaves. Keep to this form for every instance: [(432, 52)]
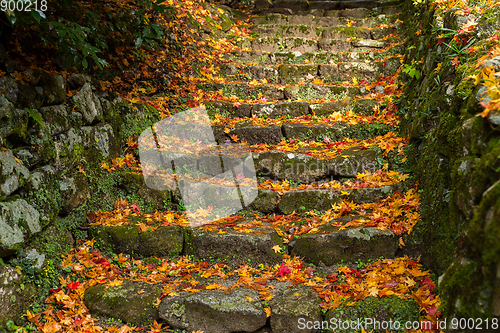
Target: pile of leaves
[(66, 311)]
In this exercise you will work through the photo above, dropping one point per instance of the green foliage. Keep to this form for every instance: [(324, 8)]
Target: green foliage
[(81, 33), (35, 115), (412, 71)]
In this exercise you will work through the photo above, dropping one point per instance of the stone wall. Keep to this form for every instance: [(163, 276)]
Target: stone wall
[(51, 147), (455, 156)]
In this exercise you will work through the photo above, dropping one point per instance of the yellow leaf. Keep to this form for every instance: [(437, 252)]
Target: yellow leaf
[(140, 291), (267, 311), (115, 283), (277, 248), (250, 299), (344, 193), (297, 294)]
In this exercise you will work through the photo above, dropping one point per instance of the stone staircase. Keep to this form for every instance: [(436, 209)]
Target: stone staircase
[(311, 93)]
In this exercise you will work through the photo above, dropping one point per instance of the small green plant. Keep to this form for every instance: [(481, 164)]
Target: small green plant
[(412, 71)]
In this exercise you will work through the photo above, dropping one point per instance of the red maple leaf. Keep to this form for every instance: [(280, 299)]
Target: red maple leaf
[(135, 208), (73, 285), (284, 270)]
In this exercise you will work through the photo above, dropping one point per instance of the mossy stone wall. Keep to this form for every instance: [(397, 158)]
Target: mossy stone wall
[(455, 156)]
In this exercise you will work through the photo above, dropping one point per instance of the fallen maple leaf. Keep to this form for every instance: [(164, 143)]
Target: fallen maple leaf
[(155, 328), (115, 283), (73, 285), (277, 248), (284, 270)]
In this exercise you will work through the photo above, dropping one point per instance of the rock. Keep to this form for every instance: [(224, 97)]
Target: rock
[(254, 134), (309, 199), (9, 88), (368, 43), (346, 32), (134, 183), (380, 309), (355, 13), (353, 161), (88, 104), (13, 174), (14, 122), (335, 45), (234, 246), (42, 192), (213, 311), (76, 81), (102, 138), (28, 156), (130, 240), (74, 191), (329, 72), (228, 110), (313, 133), (52, 89), (295, 306), (68, 145), (260, 72), (265, 201), (56, 117), (18, 221), (292, 166), (36, 258), (296, 73), (276, 110), (494, 117), (14, 296), (348, 245), (124, 302), (276, 44)]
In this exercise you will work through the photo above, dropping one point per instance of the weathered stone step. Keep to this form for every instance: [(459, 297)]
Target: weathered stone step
[(265, 92), (289, 74), (288, 30), (308, 92), (327, 19), (299, 167), (345, 245), (245, 92), (337, 32), (322, 200), (318, 57), (301, 44), (238, 307), (292, 109), (277, 44)]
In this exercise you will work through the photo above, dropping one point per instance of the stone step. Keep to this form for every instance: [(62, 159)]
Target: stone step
[(328, 19), (353, 8), (229, 110), (302, 168), (314, 32), (241, 239), (301, 44), (277, 44), (244, 91), (288, 30), (322, 200), (308, 92), (229, 304), (266, 92), (318, 57), (290, 74)]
